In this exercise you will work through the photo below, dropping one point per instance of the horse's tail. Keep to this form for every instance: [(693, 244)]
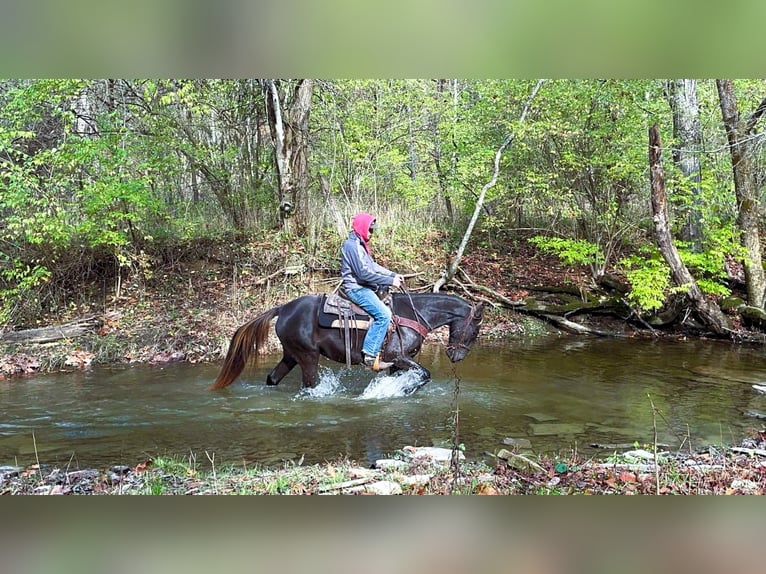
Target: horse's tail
[(246, 342)]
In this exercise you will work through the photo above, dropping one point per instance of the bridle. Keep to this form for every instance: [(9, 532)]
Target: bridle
[(468, 320), (420, 320)]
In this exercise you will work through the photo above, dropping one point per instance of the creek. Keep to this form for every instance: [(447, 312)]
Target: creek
[(558, 393)]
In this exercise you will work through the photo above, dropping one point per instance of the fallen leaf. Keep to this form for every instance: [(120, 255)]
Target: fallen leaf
[(487, 490), (627, 477)]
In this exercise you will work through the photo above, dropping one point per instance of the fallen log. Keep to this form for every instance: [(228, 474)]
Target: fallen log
[(576, 328), (69, 330), (498, 297)]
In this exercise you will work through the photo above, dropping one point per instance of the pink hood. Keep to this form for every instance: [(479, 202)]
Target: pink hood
[(361, 225)]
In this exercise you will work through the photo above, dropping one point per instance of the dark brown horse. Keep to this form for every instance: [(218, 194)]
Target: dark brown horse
[(303, 340)]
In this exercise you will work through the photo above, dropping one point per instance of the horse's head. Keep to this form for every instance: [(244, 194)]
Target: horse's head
[(463, 332)]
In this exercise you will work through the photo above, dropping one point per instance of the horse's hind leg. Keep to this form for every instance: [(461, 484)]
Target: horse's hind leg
[(283, 367)]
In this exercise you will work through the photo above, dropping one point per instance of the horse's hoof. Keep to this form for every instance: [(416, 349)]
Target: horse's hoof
[(409, 391)]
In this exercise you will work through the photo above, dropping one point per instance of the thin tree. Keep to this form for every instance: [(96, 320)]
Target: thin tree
[(739, 132), (709, 313), (686, 127), (289, 120), (449, 273)]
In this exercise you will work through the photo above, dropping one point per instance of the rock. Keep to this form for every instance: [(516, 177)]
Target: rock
[(731, 303), (56, 476), (702, 467), (359, 472), (754, 317), (384, 488), (435, 454), (518, 461), (522, 443), (540, 417), (639, 454), (553, 482), (744, 485), (416, 480), (9, 471), (557, 429)]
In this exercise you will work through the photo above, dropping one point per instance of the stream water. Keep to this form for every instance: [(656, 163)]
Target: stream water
[(558, 393)]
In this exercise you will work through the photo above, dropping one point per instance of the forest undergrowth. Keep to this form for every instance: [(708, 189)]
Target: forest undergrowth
[(188, 310)]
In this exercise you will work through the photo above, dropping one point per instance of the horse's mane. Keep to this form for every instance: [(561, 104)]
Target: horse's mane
[(430, 296)]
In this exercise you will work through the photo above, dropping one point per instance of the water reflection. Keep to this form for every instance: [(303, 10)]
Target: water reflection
[(557, 393)]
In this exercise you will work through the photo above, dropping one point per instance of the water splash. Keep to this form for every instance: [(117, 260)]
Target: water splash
[(329, 384), (387, 386)]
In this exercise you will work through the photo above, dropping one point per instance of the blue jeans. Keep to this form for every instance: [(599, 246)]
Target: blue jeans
[(381, 317)]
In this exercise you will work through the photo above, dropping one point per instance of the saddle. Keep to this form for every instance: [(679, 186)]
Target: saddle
[(338, 312)]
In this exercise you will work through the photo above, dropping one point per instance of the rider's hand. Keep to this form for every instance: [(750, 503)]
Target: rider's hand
[(398, 280)]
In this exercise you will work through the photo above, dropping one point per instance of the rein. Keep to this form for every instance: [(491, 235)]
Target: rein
[(418, 317), (423, 331), (416, 324), (405, 322)]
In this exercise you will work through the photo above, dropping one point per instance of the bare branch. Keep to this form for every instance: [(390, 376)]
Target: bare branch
[(449, 273)]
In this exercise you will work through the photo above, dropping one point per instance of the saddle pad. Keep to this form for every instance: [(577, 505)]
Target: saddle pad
[(334, 307)]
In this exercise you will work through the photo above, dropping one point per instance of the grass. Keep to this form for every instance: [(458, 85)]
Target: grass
[(716, 471)]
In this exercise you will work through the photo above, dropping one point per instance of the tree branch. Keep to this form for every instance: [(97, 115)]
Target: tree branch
[(449, 273), (756, 115)]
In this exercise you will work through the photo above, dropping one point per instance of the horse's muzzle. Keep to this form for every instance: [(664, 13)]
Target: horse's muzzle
[(456, 353)]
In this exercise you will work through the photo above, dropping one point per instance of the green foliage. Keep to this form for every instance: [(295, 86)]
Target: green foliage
[(649, 279), (115, 168), (570, 251), (721, 241), (21, 281)]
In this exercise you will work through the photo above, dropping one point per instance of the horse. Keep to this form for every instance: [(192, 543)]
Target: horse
[(304, 340)]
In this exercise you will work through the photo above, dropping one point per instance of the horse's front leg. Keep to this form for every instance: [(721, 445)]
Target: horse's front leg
[(309, 363), (402, 363)]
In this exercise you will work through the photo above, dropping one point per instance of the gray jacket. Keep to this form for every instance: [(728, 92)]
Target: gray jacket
[(357, 267)]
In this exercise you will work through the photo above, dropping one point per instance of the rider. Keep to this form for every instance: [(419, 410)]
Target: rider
[(361, 278)]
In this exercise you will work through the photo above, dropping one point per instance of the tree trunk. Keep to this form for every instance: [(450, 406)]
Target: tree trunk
[(738, 132), (708, 313), (686, 125), (449, 273), (289, 130)]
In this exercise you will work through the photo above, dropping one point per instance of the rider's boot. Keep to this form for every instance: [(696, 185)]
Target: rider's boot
[(375, 363)]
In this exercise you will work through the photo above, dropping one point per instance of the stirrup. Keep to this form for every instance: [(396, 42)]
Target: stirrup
[(376, 364)]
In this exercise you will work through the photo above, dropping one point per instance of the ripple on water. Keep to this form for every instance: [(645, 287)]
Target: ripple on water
[(553, 393)]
